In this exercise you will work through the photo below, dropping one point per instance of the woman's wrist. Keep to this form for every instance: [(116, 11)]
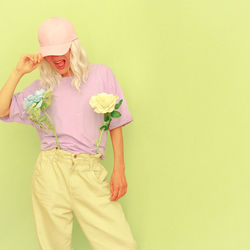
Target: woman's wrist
[(17, 73), (119, 165)]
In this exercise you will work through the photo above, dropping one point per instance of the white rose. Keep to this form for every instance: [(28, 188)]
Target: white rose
[(103, 102)]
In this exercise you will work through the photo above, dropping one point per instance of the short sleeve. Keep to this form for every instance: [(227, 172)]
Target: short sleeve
[(17, 112), (113, 87)]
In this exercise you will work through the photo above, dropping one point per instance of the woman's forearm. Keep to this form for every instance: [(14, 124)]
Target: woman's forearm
[(117, 143), (8, 90)]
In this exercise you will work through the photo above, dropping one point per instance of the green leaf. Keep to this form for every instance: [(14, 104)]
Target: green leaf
[(104, 126), (115, 114), (48, 124), (44, 106), (118, 104), (41, 126), (106, 117), (43, 118), (36, 113)]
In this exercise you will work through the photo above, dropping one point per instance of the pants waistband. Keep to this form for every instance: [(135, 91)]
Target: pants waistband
[(68, 154)]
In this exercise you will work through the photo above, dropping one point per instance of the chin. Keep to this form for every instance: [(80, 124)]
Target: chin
[(63, 71)]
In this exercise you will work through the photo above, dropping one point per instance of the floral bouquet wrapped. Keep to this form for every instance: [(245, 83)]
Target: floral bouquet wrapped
[(106, 104), (36, 105)]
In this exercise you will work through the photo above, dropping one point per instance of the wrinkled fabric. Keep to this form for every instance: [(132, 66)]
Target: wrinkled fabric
[(76, 123), (64, 183)]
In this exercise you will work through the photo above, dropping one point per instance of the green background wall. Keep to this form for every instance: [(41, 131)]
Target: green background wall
[(184, 69)]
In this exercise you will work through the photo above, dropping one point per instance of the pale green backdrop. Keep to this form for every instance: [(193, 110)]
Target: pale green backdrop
[(184, 69)]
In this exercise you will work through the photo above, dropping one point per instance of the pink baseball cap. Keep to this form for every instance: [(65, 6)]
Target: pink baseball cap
[(55, 36)]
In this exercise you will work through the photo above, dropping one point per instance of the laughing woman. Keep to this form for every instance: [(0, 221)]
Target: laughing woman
[(68, 175)]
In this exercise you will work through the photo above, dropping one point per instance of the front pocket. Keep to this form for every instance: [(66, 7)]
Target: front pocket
[(43, 160), (99, 173)]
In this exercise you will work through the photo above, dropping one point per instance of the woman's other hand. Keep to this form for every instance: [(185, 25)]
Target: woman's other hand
[(28, 62), (118, 183)]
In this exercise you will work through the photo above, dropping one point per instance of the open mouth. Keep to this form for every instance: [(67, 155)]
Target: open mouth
[(60, 64)]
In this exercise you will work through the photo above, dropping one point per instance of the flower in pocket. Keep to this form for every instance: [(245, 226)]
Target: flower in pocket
[(36, 105), (105, 104)]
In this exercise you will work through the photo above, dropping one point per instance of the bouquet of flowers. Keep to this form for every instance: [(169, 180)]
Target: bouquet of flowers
[(36, 105), (106, 104)]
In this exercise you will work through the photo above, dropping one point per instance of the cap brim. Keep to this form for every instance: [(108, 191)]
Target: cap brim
[(54, 50)]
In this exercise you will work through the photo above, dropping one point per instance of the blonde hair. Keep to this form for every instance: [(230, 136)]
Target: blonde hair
[(79, 64)]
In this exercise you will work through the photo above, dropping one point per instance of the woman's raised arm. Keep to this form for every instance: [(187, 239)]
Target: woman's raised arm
[(26, 64), (7, 92)]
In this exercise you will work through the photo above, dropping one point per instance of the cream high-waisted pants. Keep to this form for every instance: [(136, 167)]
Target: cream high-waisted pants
[(63, 183)]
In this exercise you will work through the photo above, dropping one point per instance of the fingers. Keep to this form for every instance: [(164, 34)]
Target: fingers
[(118, 191), (26, 57), (35, 58), (29, 57), (115, 193), (40, 57), (111, 189), (119, 194), (32, 57)]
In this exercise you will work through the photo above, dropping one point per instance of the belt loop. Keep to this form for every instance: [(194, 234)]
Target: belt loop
[(94, 162), (91, 163), (53, 153)]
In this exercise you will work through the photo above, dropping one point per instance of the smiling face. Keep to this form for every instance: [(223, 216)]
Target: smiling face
[(61, 64)]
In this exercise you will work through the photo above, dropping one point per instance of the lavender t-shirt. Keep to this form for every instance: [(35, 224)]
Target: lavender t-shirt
[(76, 123)]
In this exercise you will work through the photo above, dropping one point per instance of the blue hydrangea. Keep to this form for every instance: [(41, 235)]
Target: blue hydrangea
[(37, 98)]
